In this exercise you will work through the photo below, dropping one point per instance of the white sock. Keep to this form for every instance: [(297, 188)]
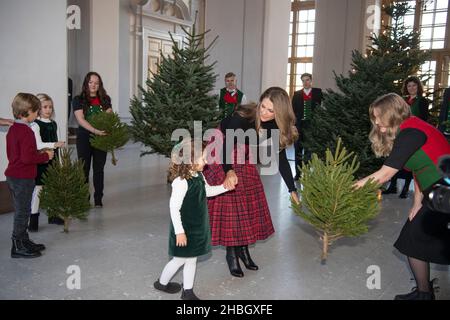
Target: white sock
[(190, 267), (35, 201), (170, 269)]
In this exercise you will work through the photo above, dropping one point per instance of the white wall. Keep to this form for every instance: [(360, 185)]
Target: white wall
[(341, 26), (33, 46), (250, 42), (276, 42)]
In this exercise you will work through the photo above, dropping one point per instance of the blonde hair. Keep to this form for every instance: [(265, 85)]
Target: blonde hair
[(284, 115), (23, 103), (393, 111), (180, 166), (45, 97)]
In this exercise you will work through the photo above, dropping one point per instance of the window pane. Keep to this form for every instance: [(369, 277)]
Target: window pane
[(311, 27), (302, 27), (426, 33), (439, 33), (309, 51), (438, 45), (427, 19), (441, 18), (425, 45), (442, 4), (302, 39)]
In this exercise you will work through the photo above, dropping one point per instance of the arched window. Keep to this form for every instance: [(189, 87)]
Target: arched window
[(301, 42)]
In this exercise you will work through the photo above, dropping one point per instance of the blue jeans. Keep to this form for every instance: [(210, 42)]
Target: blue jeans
[(22, 193)]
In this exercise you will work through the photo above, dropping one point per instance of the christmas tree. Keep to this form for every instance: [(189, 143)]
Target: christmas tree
[(117, 133), (329, 201), (176, 96), (393, 56), (65, 193)]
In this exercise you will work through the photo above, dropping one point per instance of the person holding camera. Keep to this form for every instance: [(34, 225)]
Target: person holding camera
[(411, 143)]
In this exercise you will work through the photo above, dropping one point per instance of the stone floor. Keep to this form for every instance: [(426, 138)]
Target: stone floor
[(121, 249)]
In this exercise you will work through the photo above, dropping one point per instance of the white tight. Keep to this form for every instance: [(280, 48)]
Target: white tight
[(35, 201), (172, 267)]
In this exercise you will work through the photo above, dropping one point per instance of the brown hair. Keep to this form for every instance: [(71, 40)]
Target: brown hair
[(23, 103), (105, 100), (247, 111), (417, 82), (284, 115), (393, 110), (229, 75), (181, 166), (309, 75), (45, 97)]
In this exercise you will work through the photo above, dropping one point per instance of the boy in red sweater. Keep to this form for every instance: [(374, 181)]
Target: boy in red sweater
[(23, 158)]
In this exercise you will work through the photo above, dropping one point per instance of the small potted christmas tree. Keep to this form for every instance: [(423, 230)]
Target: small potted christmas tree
[(330, 203), (65, 193), (116, 133)]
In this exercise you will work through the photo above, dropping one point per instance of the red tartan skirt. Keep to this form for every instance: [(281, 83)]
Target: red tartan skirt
[(239, 217)]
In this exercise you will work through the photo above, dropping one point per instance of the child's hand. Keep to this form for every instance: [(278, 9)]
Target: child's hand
[(59, 144), (229, 187), (181, 240), (51, 154)]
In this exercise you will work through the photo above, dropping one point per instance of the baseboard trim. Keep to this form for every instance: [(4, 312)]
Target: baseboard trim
[(6, 205)]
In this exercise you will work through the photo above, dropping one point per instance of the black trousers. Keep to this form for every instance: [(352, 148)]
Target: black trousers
[(301, 154), (22, 193), (98, 158)]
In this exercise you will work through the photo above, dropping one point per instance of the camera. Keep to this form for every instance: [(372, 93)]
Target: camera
[(440, 195)]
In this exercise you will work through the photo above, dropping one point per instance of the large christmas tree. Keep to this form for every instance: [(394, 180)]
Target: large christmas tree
[(393, 56), (176, 96)]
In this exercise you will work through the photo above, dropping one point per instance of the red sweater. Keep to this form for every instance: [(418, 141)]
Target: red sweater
[(22, 152)]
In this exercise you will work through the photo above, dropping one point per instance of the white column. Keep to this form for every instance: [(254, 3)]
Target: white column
[(104, 49), (276, 42), (33, 46)]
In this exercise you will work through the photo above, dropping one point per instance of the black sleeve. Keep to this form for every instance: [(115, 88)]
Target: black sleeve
[(76, 104), (285, 171), (107, 103), (424, 113), (231, 123), (405, 145)]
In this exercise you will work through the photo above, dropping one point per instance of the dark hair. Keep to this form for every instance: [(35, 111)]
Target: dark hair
[(416, 81), (23, 103), (247, 111), (229, 75), (309, 75), (85, 96)]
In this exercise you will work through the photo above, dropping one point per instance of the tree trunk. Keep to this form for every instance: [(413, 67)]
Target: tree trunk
[(113, 160), (66, 224), (324, 247)]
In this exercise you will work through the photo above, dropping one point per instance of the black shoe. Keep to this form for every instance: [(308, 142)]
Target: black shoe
[(416, 295), (98, 204), (171, 287), (390, 191), (403, 195), (33, 246), (189, 295), (244, 255), (56, 220), (19, 250), (233, 263), (34, 222)]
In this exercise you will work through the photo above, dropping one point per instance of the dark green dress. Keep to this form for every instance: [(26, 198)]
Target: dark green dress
[(49, 133), (195, 220)]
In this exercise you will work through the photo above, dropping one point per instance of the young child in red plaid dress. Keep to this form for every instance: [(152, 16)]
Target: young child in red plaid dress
[(190, 235)]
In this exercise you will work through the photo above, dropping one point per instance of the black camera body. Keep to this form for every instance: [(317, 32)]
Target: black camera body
[(439, 197)]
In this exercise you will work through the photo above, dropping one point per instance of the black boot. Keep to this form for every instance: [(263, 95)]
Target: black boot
[(244, 255), (19, 250), (33, 246), (416, 295), (392, 188), (34, 222), (189, 295), (171, 287), (404, 193), (56, 220), (233, 263)]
